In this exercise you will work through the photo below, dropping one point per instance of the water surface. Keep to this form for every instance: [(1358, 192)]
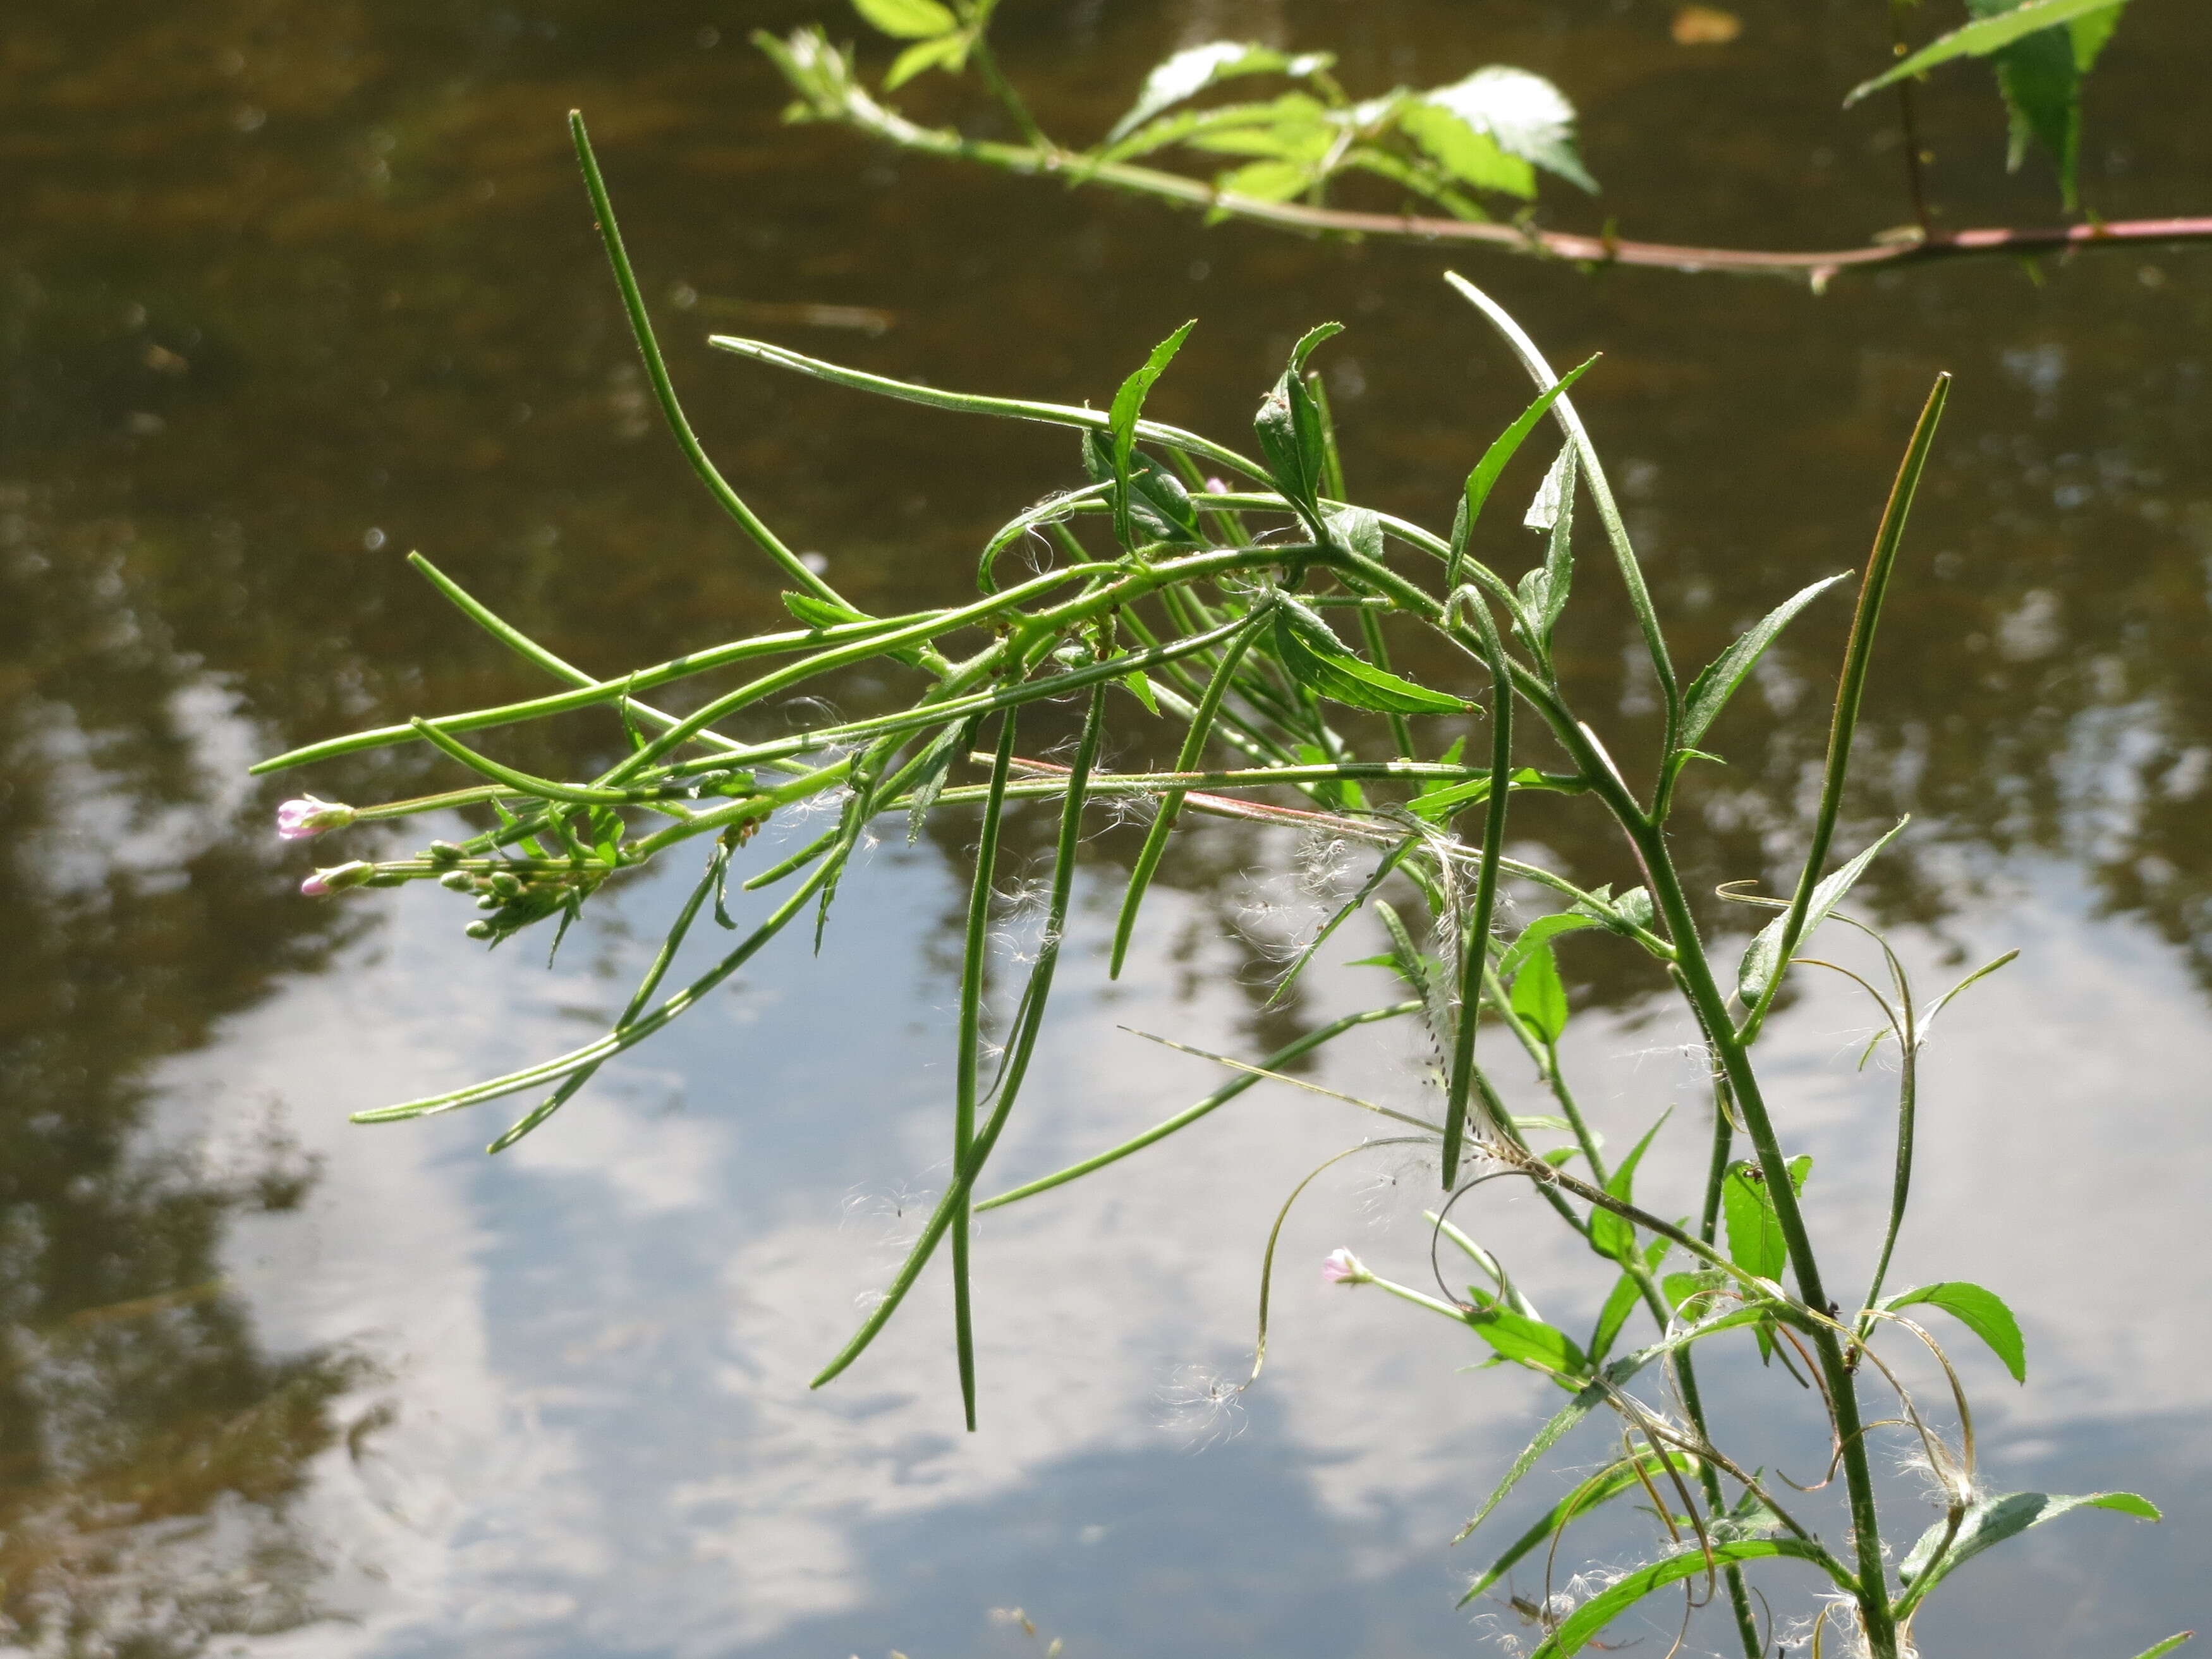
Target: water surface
[(290, 289)]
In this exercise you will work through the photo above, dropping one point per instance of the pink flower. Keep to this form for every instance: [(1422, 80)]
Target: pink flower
[(307, 818), (337, 878), (1342, 1267)]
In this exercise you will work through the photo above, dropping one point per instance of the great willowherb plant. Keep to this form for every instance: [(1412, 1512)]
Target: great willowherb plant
[(1220, 605)]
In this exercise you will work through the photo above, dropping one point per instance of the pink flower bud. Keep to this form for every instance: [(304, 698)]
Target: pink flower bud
[(1342, 1267), (1216, 487), (307, 818), (337, 878)]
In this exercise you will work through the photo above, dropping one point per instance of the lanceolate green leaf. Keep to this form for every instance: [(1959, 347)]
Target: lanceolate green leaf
[(1503, 448), (1619, 1372), (1580, 1627), (1626, 1476), (1991, 1521), (1613, 1234), (1316, 659), (1539, 997), (1291, 430), (908, 19), (1540, 933), (1547, 1437), (1121, 417), (1754, 1235), (1983, 1312), (1986, 35), (1194, 749), (1528, 1341), (1709, 692), (1763, 962), (1345, 912)]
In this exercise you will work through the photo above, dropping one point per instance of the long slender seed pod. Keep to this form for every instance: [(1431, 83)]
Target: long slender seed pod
[(1193, 750), (526, 783), (1019, 1050), (974, 960), (674, 942), (663, 389), (1851, 687), (1474, 941), (1623, 554), (969, 402), (1190, 1115)]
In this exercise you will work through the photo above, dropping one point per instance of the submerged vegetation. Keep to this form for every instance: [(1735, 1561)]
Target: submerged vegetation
[(1241, 596)]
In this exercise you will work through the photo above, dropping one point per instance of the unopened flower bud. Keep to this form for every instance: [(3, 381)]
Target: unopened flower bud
[(505, 886), (1342, 1267), (480, 930), (444, 851), (457, 881), (1216, 487), (302, 819), (337, 878)]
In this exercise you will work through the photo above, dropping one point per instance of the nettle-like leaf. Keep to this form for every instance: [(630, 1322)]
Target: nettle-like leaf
[(1194, 68), (1998, 29), (2041, 51), (1486, 133), (1190, 127), (1466, 153), (1523, 115), (946, 51)]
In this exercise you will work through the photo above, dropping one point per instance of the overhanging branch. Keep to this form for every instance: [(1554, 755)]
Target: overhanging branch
[(1816, 266)]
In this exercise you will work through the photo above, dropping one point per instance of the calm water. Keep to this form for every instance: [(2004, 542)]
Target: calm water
[(287, 289)]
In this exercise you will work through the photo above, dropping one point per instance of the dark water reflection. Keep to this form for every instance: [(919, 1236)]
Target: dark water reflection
[(288, 290)]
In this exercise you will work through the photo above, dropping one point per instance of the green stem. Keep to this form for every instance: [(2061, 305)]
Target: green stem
[(1003, 90), (1736, 1061)]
